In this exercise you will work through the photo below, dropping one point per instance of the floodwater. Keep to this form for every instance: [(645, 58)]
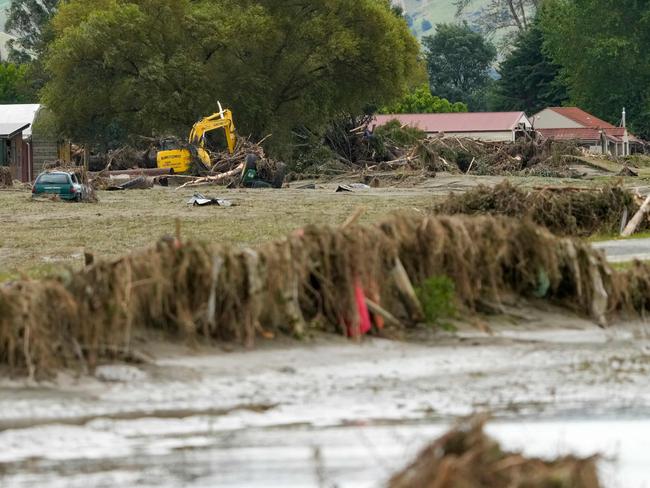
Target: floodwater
[(330, 413)]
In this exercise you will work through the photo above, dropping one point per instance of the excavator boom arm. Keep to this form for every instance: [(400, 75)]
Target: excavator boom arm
[(222, 120)]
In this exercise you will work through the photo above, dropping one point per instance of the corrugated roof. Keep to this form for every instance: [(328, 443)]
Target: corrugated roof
[(457, 122), (9, 129), (614, 134), (19, 114), (581, 117)]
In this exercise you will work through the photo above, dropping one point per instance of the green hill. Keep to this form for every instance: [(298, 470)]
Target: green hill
[(426, 14), (4, 4)]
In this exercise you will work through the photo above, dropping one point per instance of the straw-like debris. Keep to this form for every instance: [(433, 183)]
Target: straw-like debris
[(350, 148), (466, 457), (564, 211), (6, 178), (526, 157), (312, 279)]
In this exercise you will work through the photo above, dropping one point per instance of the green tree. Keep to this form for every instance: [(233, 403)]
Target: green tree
[(529, 80), (421, 101), (28, 21), (151, 66), (459, 62), (14, 84), (602, 46)]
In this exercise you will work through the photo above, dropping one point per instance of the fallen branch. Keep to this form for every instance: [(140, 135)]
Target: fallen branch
[(636, 220), (210, 180)]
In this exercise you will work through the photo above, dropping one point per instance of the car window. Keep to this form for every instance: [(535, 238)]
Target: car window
[(74, 178), (53, 179)]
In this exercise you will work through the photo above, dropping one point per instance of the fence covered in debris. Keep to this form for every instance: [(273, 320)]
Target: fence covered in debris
[(337, 279)]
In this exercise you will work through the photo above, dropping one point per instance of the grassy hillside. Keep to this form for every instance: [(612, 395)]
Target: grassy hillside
[(4, 4), (433, 12)]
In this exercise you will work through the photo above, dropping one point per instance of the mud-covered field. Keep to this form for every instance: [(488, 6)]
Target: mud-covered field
[(41, 237), (324, 411), (327, 412)]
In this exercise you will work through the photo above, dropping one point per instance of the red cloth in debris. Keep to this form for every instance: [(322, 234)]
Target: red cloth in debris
[(364, 316)]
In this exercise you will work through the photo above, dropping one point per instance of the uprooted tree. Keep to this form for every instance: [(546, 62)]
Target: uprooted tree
[(153, 66)]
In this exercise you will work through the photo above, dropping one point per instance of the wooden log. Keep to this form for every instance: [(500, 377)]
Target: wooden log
[(631, 227), (352, 219), (407, 292), (134, 172), (210, 180), (378, 310)]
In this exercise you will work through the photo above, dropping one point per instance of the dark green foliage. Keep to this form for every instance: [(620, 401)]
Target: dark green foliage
[(394, 132), (14, 84), (530, 81), (602, 46), (459, 61), (438, 298)]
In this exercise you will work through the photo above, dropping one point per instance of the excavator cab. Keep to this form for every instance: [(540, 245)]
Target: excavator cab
[(181, 159)]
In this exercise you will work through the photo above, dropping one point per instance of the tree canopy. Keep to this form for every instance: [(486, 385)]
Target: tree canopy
[(122, 67), (602, 46), (421, 101), (529, 80), (459, 62)]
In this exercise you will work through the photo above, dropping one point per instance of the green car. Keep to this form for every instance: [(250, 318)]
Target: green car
[(65, 185)]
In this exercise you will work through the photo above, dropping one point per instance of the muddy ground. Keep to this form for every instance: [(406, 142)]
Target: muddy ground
[(322, 412), (327, 412)]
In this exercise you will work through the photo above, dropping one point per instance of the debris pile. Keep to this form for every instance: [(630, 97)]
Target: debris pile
[(232, 169), (526, 157), (320, 277), (466, 457), (6, 178), (392, 147), (129, 157), (566, 211)]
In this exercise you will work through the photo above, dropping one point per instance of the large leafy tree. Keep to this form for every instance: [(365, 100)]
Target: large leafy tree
[(603, 46), (459, 62), (529, 80), (147, 66)]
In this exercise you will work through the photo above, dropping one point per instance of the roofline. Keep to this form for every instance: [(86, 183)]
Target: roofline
[(16, 132), (459, 131), (520, 114)]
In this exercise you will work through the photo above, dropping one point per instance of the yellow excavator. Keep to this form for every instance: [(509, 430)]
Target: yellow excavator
[(182, 159)]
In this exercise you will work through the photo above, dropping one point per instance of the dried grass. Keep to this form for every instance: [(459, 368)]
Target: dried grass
[(196, 290), (565, 212), (465, 457)]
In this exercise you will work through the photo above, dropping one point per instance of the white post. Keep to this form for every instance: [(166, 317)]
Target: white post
[(626, 137)]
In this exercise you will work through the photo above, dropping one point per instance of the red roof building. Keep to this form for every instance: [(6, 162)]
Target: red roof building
[(489, 126), (574, 124)]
